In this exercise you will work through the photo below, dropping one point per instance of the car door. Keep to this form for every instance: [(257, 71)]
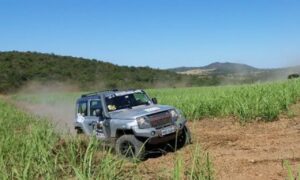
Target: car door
[(89, 120), (94, 120), (81, 116)]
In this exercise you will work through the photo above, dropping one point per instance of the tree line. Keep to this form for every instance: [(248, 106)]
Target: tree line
[(19, 68)]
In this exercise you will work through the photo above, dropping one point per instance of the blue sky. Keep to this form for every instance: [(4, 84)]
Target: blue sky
[(156, 33)]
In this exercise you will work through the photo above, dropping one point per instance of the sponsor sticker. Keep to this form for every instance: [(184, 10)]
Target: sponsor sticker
[(152, 109), (80, 118)]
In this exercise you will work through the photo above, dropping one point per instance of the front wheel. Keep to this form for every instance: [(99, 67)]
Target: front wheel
[(130, 147), (183, 139)]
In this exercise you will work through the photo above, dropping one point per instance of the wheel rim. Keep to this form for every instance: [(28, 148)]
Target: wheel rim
[(127, 149)]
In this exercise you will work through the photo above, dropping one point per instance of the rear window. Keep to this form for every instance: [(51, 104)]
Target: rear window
[(82, 108)]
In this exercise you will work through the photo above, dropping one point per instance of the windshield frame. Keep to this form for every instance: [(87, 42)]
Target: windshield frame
[(122, 94)]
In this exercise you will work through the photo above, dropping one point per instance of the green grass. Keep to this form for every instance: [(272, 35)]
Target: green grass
[(200, 167), (30, 149), (290, 174), (246, 102)]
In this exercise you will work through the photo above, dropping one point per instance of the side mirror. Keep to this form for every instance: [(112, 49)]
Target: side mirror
[(154, 100)]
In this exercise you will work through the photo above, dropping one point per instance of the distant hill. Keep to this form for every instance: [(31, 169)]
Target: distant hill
[(230, 68), (218, 68), (20, 68), (237, 73)]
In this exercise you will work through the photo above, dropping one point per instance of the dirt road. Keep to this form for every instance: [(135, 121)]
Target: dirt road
[(253, 151)]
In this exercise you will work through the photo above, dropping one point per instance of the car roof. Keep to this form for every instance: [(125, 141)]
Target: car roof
[(106, 93)]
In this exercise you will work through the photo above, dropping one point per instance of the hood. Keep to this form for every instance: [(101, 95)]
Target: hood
[(134, 112)]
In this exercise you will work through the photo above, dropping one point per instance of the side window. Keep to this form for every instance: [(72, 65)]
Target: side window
[(140, 98), (95, 105), (82, 108)]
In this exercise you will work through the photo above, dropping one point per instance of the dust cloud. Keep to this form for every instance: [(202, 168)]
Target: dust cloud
[(60, 113), (48, 87)]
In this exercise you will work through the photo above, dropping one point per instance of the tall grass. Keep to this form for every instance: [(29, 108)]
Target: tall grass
[(200, 166), (30, 149), (290, 174), (247, 102)]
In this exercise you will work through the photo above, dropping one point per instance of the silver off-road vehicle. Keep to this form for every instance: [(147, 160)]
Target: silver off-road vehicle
[(130, 121)]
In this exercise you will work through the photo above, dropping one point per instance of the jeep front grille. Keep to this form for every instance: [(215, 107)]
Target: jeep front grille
[(160, 119)]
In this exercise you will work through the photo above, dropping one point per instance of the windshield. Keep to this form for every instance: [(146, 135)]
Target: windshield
[(126, 101)]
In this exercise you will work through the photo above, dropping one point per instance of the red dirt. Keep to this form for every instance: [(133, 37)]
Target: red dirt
[(253, 151)]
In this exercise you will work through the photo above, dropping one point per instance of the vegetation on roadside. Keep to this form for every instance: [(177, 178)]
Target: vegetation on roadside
[(30, 149), (246, 102)]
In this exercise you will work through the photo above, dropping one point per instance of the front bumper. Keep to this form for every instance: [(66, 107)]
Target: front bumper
[(164, 139), (154, 133)]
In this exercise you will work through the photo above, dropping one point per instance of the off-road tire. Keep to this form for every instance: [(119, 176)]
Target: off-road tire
[(130, 147), (183, 139), (78, 130)]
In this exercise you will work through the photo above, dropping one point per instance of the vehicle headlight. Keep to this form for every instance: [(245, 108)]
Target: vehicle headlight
[(143, 122), (175, 114)]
